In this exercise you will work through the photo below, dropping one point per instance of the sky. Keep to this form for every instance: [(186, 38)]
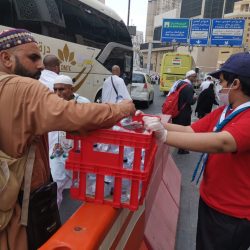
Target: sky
[(138, 11)]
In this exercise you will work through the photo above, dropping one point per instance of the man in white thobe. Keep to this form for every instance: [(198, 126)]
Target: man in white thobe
[(58, 144), (51, 71), (114, 88)]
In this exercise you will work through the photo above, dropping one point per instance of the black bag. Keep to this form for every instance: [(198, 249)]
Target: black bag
[(44, 219)]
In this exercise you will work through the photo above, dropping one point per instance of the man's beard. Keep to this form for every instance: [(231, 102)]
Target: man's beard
[(21, 71)]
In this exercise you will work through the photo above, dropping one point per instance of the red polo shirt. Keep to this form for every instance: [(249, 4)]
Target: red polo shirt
[(226, 180)]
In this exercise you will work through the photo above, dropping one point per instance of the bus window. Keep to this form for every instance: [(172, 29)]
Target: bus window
[(117, 56), (6, 20)]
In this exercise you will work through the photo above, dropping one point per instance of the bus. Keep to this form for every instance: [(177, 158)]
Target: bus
[(174, 67), (87, 37)]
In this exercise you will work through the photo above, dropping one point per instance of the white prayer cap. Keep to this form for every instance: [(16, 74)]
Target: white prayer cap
[(190, 73), (63, 80)]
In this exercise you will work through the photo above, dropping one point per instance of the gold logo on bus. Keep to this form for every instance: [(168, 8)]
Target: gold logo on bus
[(67, 58)]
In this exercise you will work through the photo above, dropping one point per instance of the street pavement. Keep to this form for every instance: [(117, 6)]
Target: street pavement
[(186, 231)]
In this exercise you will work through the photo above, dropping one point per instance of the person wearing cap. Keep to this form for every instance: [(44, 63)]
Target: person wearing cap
[(223, 137), (63, 87), (186, 99), (114, 88), (29, 111), (51, 71), (58, 144)]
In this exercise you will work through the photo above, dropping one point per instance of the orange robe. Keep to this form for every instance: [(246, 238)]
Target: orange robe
[(28, 111)]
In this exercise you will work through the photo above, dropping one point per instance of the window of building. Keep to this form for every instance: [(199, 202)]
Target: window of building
[(213, 9), (229, 6), (191, 8)]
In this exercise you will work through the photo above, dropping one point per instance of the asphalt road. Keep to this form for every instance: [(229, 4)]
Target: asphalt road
[(186, 230)]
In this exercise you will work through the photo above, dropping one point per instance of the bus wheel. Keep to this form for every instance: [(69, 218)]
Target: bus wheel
[(98, 97)]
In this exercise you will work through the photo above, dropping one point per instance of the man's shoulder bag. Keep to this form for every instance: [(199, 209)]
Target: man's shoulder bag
[(11, 178), (44, 218)]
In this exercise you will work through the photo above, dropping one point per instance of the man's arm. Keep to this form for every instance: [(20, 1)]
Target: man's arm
[(212, 142), (184, 137), (178, 128), (45, 111)]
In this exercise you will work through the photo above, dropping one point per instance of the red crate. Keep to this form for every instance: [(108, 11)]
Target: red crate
[(84, 160)]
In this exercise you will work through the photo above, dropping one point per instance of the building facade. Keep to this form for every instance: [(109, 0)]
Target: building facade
[(157, 7), (206, 8), (137, 40), (206, 58)]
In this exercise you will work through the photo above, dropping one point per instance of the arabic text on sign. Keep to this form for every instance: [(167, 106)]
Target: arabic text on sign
[(227, 32), (199, 34)]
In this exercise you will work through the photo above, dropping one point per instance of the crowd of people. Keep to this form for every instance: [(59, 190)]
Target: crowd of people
[(35, 99)]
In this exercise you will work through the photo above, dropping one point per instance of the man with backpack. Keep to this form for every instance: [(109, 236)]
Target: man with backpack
[(223, 135), (182, 95)]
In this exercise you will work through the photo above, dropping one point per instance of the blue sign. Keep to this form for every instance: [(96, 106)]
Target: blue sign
[(199, 32), (227, 32), (175, 30)]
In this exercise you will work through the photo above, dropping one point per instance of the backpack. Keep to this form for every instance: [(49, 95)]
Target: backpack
[(12, 174), (170, 106)]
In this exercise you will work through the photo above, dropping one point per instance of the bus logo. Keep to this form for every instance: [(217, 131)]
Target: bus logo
[(67, 58)]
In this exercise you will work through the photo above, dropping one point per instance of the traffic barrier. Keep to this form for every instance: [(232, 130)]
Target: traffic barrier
[(162, 202)]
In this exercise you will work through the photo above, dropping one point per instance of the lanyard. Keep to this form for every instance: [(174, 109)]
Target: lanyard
[(220, 124)]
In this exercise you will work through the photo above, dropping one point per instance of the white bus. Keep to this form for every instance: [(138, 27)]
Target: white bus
[(87, 37)]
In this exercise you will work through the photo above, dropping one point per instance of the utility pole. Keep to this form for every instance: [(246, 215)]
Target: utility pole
[(128, 12), (223, 10), (150, 46)]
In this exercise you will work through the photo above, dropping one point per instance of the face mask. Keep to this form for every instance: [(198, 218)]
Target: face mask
[(224, 97)]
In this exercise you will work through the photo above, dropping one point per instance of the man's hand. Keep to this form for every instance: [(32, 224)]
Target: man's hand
[(128, 107), (138, 112), (154, 124)]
